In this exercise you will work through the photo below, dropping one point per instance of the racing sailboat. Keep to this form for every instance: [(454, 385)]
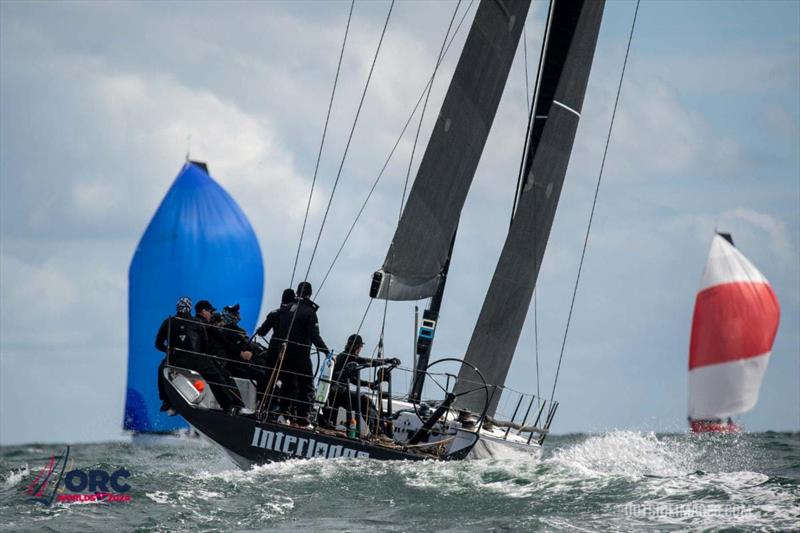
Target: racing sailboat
[(736, 316), (464, 421)]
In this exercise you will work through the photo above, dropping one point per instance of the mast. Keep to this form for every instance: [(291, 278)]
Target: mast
[(736, 317), (567, 61), (415, 262), (427, 331)]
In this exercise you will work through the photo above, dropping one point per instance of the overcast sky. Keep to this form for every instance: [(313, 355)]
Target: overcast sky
[(100, 101)]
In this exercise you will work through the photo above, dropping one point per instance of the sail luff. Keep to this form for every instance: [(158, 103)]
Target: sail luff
[(575, 29), (420, 247)]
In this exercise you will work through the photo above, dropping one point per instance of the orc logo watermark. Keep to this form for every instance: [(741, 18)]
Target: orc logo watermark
[(59, 481)]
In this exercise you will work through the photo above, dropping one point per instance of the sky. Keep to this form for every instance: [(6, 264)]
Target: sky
[(101, 101)]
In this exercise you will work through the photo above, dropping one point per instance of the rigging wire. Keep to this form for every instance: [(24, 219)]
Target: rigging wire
[(273, 377), (594, 201), (389, 158), (535, 291), (532, 113), (349, 139), (322, 142)]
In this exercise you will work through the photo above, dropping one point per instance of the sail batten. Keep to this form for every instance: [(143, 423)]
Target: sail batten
[(421, 244), (565, 74)]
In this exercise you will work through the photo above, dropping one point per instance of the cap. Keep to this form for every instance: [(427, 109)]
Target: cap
[(354, 342), (204, 305)]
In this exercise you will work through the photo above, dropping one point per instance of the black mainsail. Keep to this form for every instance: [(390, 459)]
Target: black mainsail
[(567, 61), (420, 249)]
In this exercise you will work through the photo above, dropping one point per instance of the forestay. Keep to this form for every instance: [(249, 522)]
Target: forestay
[(567, 62), (421, 244)]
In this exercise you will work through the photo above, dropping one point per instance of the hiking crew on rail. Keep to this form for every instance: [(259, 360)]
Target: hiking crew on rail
[(217, 347)]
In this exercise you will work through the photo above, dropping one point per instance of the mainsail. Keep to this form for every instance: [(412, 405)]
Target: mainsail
[(420, 248), (567, 61), (736, 318), (198, 244)]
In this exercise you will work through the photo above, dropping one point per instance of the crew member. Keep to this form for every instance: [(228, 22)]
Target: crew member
[(176, 334), (272, 323), (279, 402), (298, 324), (204, 311), (343, 376), (189, 345), (245, 358)]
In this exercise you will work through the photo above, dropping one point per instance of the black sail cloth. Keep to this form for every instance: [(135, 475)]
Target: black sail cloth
[(502, 316), (420, 247)]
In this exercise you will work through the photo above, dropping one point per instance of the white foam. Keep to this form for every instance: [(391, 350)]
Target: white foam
[(628, 454), (16, 476)]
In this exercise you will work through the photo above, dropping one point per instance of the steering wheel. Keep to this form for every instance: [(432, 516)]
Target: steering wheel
[(478, 387)]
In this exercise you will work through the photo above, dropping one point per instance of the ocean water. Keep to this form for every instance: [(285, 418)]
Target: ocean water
[(621, 481)]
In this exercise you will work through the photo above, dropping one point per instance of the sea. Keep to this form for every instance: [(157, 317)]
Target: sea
[(617, 481)]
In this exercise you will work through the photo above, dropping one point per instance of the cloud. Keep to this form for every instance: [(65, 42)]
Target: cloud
[(655, 134), (778, 117)]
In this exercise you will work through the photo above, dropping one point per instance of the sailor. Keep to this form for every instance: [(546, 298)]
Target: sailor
[(298, 324), (343, 376), (203, 311), (278, 403), (176, 334), (246, 359), (272, 323), (189, 346)]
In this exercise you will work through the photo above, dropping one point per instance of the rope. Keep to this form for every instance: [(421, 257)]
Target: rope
[(389, 158), (594, 201), (322, 142), (350, 138)]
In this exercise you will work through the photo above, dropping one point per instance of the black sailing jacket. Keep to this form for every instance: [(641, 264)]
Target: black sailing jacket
[(301, 315)]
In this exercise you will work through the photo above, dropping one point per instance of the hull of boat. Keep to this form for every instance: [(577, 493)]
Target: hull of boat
[(496, 444), (248, 441), (714, 426)]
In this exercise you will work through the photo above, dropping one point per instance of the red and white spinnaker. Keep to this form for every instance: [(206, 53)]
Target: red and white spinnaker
[(736, 317)]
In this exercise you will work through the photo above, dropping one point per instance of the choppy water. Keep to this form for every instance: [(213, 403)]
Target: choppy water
[(618, 481)]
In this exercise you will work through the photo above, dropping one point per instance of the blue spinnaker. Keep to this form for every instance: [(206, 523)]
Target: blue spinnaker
[(198, 244)]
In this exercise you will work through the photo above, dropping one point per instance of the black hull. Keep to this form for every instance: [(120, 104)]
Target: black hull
[(248, 441)]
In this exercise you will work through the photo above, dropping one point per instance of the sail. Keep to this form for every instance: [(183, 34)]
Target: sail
[(420, 247), (198, 244), (574, 26), (735, 321)]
